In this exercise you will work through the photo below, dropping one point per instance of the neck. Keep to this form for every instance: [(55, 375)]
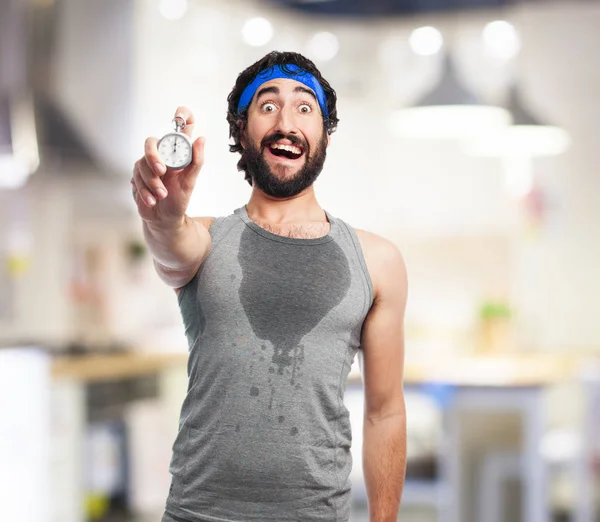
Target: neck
[(298, 209)]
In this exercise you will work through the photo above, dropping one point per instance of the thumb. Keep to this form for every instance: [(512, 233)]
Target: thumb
[(191, 173)]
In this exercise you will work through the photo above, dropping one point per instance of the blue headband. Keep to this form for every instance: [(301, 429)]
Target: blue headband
[(289, 71)]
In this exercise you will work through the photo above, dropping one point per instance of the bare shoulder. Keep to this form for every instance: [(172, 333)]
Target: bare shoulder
[(206, 221), (385, 263)]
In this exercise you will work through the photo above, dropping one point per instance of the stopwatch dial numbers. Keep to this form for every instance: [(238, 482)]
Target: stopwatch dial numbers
[(175, 151)]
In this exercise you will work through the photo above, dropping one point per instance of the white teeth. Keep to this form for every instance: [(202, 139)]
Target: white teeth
[(289, 148)]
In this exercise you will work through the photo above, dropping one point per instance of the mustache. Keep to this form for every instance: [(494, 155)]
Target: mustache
[(277, 136)]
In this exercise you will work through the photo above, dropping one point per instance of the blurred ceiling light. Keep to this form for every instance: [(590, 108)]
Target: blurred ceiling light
[(526, 137), (19, 156), (501, 40), (323, 46), (449, 111), (519, 143), (14, 172), (173, 9), (426, 41), (257, 31)]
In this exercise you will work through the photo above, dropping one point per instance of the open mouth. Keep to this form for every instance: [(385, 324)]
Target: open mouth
[(281, 150)]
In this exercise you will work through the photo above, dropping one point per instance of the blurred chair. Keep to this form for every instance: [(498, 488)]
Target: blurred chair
[(589, 454), (496, 468), (561, 448), (424, 433)]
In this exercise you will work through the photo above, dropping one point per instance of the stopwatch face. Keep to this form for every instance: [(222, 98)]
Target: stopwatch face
[(175, 150)]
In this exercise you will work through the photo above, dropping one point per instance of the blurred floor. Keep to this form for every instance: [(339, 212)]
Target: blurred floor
[(409, 514), (359, 514)]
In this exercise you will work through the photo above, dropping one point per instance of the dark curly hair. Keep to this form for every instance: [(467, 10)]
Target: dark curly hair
[(245, 77)]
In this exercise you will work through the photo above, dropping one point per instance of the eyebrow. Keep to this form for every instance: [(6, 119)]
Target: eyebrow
[(275, 90)]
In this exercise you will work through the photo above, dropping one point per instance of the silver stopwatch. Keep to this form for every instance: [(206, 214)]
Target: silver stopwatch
[(175, 148)]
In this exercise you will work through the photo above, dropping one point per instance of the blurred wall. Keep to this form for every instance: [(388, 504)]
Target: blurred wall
[(94, 73), (462, 235), (557, 285), (35, 223)]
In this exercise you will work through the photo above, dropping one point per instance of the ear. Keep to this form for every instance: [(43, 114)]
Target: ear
[(328, 139), (240, 124)]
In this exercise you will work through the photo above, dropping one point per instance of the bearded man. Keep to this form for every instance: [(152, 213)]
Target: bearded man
[(277, 300)]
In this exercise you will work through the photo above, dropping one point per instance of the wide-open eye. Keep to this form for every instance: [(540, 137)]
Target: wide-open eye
[(268, 107), (305, 108)]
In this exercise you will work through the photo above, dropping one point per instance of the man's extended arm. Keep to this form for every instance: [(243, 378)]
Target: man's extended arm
[(384, 430), (179, 244), (178, 249)]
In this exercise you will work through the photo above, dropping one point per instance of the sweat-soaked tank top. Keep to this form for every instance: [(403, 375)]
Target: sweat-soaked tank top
[(273, 325)]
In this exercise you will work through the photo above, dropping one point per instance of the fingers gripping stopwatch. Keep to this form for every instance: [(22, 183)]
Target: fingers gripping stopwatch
[(175, 148)]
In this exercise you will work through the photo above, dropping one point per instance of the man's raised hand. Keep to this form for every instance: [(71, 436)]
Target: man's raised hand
[(161, 194)]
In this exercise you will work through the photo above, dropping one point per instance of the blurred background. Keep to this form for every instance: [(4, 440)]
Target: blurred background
[(468, 135)]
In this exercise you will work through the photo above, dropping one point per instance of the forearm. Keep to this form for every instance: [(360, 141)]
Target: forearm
[(178, 249), (384, 465)]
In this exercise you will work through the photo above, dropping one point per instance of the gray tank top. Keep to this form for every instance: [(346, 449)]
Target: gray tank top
[(273, 325)]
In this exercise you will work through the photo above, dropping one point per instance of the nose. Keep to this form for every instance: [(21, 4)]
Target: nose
[(286, 121)]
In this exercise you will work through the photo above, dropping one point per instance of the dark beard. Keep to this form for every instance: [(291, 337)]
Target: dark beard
[(264, 179)]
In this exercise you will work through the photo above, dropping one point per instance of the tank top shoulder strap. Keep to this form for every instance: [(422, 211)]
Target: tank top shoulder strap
[(347, 237), (220, 227), (218, 230)]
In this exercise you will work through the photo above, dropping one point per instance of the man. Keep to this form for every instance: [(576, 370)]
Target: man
[(276, 300)]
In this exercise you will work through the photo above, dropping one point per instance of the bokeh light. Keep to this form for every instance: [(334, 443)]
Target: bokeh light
[(501, 40), (426, 41), (257, 31), (323, 46), (173, 9)]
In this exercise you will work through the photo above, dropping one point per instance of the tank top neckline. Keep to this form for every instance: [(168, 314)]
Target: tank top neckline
[(242, 213)]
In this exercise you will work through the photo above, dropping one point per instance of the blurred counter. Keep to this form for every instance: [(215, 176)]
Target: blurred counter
[(533, 369), (110, 367)]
